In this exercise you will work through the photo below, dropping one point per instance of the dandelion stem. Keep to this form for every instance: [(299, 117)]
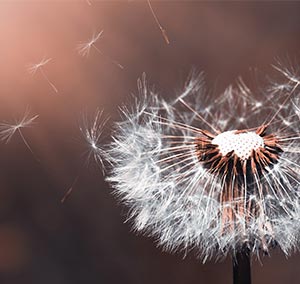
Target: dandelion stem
[(242, 267)]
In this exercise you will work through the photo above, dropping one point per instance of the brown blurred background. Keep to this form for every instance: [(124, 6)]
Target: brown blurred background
[(85, 240)]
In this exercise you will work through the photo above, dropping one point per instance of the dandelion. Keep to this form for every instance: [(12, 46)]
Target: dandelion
[(92, 133), (33, 68), (8, 129), (163, 31), (84, 48), (216, 175)]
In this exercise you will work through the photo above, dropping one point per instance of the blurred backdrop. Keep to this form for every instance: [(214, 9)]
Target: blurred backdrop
[(84, 240)]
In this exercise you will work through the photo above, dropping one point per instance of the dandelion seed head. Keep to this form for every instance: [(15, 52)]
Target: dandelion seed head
[(197, 177)]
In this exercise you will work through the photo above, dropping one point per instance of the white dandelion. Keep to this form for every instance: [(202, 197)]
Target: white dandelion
[(215, 175), (33, 68), (85, 48), (8, 129)]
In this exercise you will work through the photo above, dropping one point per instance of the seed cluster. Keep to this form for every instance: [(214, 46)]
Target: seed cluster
[(239, 158), (241, 143), (239, 153)]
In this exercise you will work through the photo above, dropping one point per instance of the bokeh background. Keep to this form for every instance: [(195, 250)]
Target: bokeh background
[(84, 240)]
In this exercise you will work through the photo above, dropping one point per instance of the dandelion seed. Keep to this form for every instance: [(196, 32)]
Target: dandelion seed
[(84, 49), (33, 68), (218, 181), (7, 130), (163, 31), (92, 132)]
